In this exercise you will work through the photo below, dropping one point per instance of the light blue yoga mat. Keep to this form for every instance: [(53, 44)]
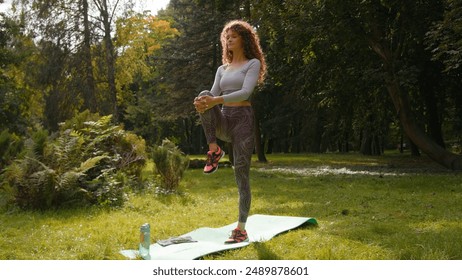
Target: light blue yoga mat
[(260, 228)]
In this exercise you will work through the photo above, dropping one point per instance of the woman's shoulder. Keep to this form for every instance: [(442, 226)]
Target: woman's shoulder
[(255, 61), (222, 68)]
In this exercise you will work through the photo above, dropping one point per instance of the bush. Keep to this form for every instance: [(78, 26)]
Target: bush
[(126, 150), (170, 164), (86, 162), (10, 146)]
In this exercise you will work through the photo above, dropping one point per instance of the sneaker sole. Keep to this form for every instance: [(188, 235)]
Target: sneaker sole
[(234, 242), (210, 172), (213, 171)]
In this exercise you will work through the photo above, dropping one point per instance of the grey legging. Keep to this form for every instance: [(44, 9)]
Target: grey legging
[(234, 125)]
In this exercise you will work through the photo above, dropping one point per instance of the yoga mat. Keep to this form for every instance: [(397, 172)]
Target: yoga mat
[(260, 228)]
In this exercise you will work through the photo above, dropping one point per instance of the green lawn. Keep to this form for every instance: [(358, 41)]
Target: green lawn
[(392, 207)]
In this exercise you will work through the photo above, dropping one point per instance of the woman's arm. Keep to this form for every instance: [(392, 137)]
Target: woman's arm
[(249, 84), (216, 89)]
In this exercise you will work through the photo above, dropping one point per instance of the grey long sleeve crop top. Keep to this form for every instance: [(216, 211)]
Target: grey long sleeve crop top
[(236, 85)]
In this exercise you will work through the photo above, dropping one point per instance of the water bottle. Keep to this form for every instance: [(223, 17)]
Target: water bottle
[(145, 236)]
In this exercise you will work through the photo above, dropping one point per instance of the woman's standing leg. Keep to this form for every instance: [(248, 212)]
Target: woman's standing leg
[(243, 146), (242, 131)]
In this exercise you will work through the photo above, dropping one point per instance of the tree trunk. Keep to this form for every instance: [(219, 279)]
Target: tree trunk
[(424, 142), (89, 87), (269, 149), (370, 144), (414, 149), (401, 103), (259, 147), (110, 58), (433, 119)]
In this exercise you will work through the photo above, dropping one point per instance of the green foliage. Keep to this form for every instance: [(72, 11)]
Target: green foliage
[(37, 144), (444, 38), (90, 164), (171, 164), (10, 146), (325, 88), (15, 99), (412, 215)]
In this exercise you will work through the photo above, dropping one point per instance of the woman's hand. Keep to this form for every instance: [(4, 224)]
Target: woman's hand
[(200, 104), (203, 103)]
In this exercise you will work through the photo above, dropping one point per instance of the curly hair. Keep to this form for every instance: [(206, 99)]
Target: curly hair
[(252, 48)]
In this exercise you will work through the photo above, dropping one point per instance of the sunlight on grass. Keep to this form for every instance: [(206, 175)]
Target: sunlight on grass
[(361, 215), (325, 170)]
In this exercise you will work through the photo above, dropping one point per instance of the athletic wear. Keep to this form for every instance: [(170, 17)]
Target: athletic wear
[(234, 125), (236, 84), (212, 160), (237, 236)]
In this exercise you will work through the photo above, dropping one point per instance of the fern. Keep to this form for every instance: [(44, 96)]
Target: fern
[(90, 163), (86, 161), (39, 142), (66, 151), (10, 146), (44, 190)]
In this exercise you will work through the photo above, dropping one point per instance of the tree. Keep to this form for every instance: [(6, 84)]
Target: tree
[(76, 41), (138, 40), (64, 71), (106, 19), (89, 89), (19, 104), (444, 42), (389, 28)]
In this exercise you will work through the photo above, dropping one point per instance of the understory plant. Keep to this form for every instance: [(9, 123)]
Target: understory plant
[(10, 146), (88, 161), (170, 165)]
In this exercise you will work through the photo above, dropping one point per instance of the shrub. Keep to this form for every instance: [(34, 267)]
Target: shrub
[(86, 162), (126, 150), (10, 146), (170, 164)]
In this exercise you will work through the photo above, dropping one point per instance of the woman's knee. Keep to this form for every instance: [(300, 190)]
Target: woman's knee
[(205, 93)]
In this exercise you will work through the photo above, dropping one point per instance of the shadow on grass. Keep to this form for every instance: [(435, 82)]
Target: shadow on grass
[(264, 252)]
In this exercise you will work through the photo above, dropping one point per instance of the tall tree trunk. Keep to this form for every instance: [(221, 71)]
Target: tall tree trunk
[(269, 149), (400, 101), (110, 56), (414, 149), (89, 87), (414, 132), (433, 118), (259, 146)]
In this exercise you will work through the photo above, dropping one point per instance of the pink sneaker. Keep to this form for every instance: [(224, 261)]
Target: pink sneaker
[(237, 236), (212, 160)]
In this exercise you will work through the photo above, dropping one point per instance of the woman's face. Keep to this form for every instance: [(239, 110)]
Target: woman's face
[(233, 41)]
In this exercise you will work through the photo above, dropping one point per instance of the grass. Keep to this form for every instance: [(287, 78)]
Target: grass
[(393, 207)]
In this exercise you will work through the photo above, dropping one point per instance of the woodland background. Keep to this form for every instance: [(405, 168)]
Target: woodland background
[(343, 75)]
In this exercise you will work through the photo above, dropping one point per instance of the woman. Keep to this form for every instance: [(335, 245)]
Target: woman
[(243, 68)]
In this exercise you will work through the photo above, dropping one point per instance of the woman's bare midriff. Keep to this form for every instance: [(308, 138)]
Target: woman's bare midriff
[(238, 104)]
